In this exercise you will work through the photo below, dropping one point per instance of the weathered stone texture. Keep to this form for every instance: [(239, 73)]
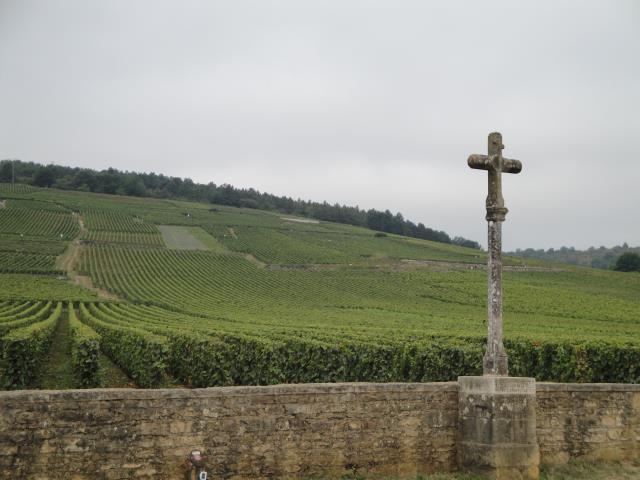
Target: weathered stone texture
[(591, 421), (296, 431), (495, 361), (497, 427), (246, 432)]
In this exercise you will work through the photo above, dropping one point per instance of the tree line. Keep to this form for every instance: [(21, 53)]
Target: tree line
[(602, 257), (116, 182)]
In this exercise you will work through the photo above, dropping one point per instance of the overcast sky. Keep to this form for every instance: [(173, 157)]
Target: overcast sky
[(368, 103)]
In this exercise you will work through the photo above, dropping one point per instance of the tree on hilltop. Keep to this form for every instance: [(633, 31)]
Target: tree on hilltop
[(45, 176), (628, 262), (5, 171)]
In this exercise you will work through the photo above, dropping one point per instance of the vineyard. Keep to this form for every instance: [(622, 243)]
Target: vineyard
[(165, 293), (27, 263), (39, 223), (118, 237), (102, 221)]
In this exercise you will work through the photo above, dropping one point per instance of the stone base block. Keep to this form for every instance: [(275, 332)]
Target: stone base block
[(497, 427)]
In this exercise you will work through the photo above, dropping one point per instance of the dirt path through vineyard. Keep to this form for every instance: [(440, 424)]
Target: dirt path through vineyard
[(69, 260)]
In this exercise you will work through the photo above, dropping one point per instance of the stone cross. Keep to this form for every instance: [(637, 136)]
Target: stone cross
[(495, 358)]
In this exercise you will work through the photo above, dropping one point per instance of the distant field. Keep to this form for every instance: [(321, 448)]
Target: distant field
[(177, 293)]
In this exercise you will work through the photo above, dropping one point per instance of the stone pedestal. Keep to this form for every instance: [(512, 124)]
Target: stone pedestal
[(497, 431)]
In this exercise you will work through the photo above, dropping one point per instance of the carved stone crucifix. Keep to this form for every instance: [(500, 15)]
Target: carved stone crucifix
[(495, 359)]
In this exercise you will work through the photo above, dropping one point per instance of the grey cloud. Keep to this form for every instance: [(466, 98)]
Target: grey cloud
[(361, 102)]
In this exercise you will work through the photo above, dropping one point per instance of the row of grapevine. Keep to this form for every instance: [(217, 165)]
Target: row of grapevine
[(39, 223), (20, 287), (25, 337), (85, 351), (15, 188), (207, 352), (273, 246), (106, 220), (10, 310), (217, 317), (200, 355), (34, 313), (31, 204), (23, 345), (29, 244), (150, 343), (408, 303), (313, 244), (126, 238), (170, 276), (366, 244), (139, 353), (10, 262)]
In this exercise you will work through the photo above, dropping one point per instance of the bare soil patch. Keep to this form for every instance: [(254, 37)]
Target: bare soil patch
[(83, 229), (253, 259), (69, 258), (86, 282)]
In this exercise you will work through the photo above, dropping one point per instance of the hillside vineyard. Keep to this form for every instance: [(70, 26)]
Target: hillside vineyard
[(170, 293)]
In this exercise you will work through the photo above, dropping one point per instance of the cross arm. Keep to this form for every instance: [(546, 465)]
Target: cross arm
[(486, 162)]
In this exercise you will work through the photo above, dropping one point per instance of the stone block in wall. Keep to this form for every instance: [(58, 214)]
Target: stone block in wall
[(588, 421), (497, 427), (282, 431)]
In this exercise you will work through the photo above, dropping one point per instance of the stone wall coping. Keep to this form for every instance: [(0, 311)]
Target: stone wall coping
[(275, 390), (287, 389), (497, 385), (587, 387)]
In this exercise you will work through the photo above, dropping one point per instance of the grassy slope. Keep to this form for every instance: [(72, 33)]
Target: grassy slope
[(263, 272)]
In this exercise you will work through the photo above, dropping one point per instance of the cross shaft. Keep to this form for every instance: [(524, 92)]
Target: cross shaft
[(495, 360)]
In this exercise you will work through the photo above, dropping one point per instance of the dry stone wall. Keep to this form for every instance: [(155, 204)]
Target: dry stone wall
[(288, 431), (596, 421), (246, 432)]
